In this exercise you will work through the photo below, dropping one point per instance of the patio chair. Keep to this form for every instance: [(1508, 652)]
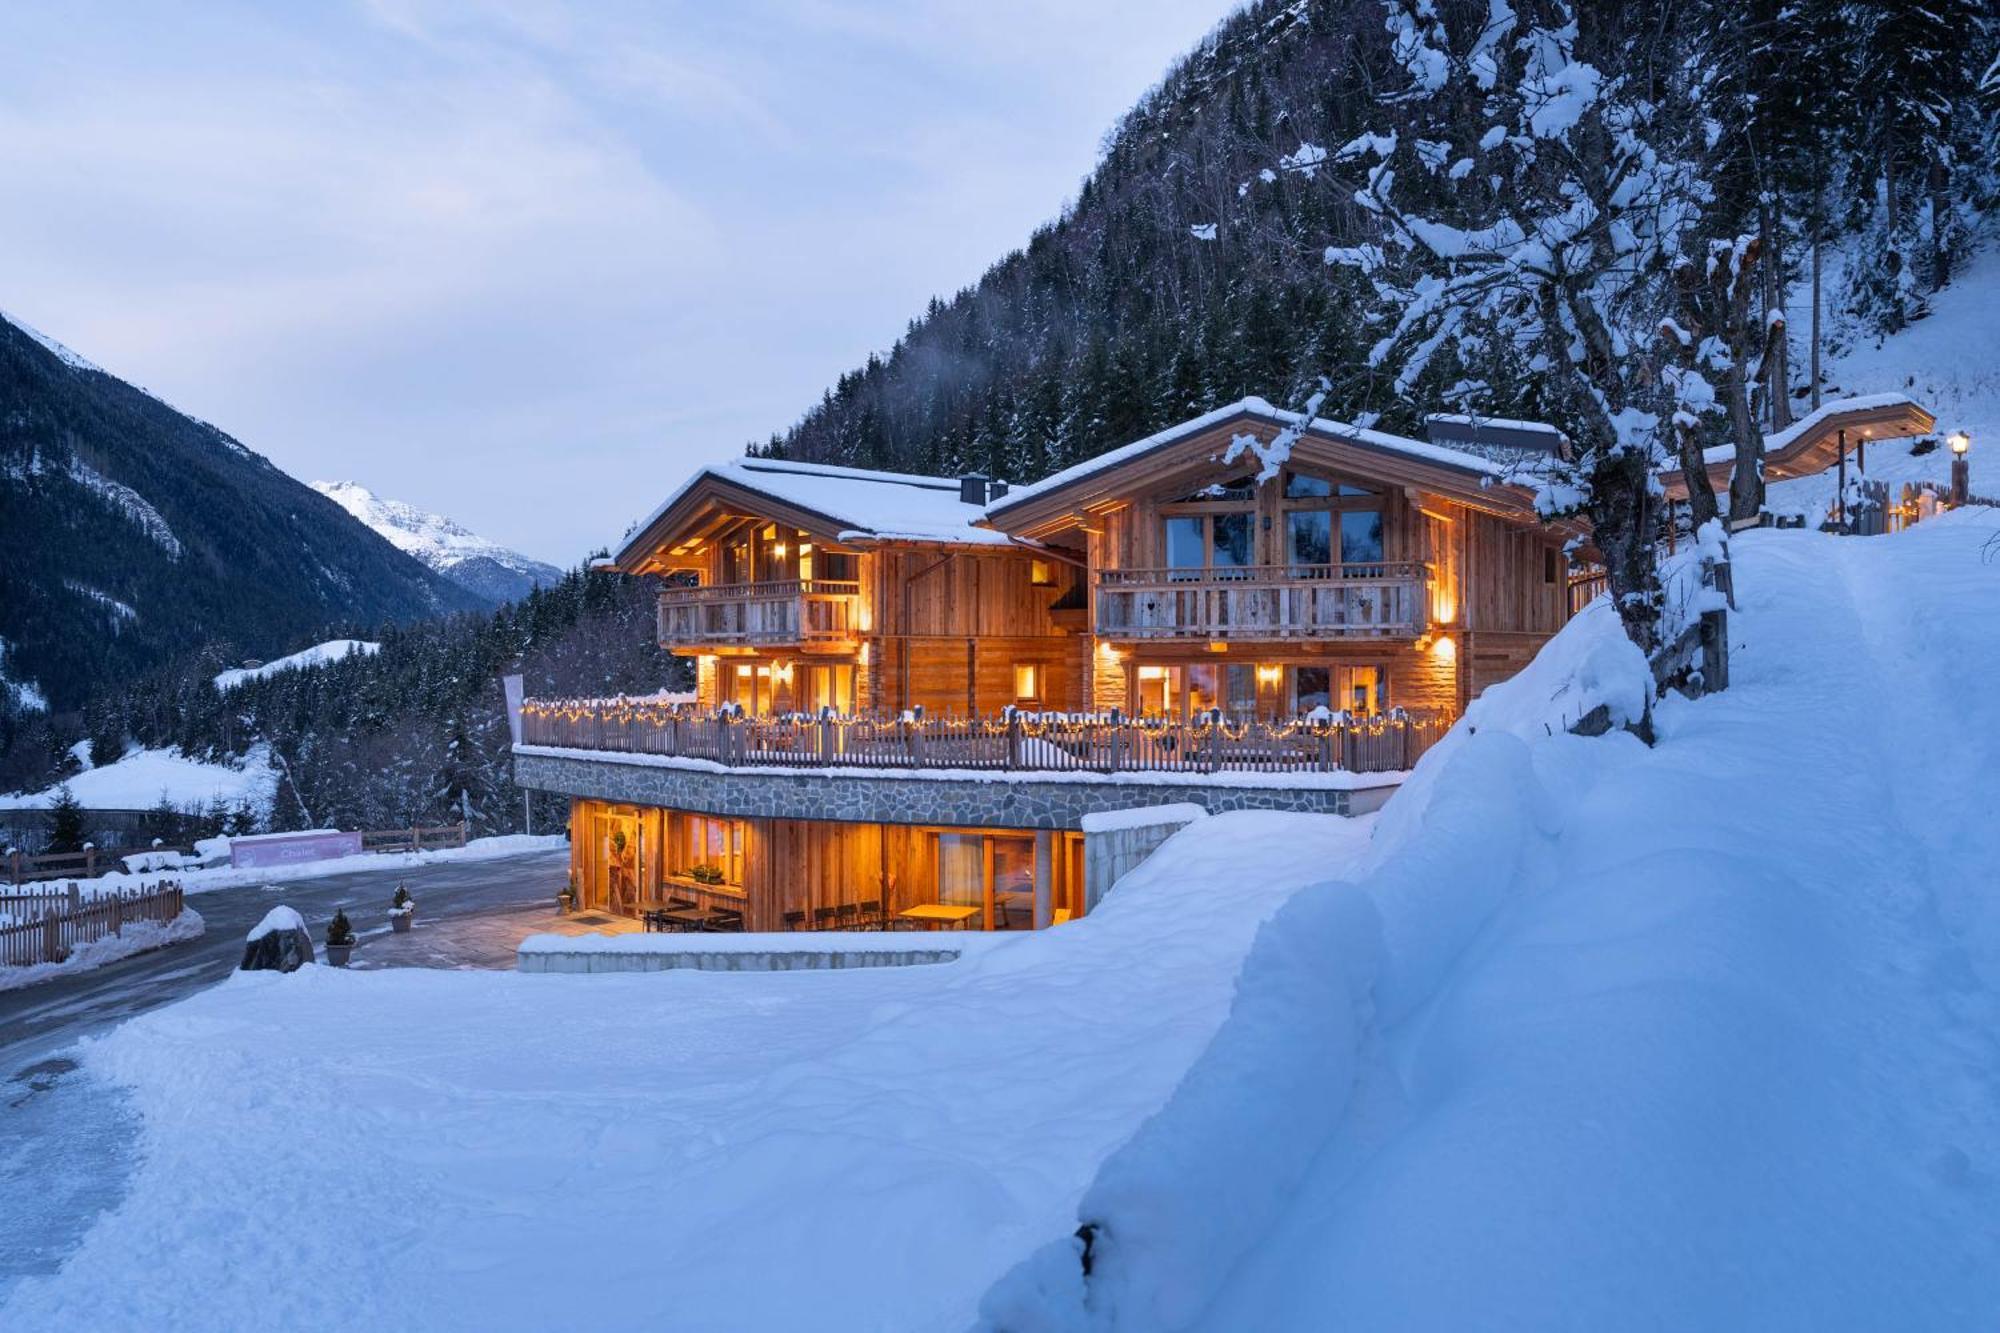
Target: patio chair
[(795, 920), (825, 918), (871, 914), (849, 916)]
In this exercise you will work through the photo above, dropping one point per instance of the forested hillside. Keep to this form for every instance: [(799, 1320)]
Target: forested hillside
[(1191, 267), (133, 533), (413, 733)]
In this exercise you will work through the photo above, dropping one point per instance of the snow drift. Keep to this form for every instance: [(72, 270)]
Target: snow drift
[(1695, 1036)]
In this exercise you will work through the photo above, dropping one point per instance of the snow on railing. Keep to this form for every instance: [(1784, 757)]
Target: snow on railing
[(1323, 742)]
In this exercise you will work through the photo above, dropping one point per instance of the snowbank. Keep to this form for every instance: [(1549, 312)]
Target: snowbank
[(849, 1149), (229, 877), (333, 650), (1695, 1036), (137, 937), (137, 781)]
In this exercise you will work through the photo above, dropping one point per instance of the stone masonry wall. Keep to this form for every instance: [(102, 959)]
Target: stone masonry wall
[(1024, 804)]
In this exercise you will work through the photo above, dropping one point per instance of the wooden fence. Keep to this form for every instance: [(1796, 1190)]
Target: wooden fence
[(413, 839), (27, 868), (46, 925), (1110, 743)]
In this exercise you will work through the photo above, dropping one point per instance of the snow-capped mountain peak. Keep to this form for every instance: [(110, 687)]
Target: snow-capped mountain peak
[(449, 547)]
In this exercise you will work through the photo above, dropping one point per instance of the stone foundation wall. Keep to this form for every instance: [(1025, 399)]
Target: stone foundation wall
[(1000, 802)]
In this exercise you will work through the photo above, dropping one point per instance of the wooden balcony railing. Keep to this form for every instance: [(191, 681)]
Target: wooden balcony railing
[(1108, 743), (1381, 600), (791, 611)]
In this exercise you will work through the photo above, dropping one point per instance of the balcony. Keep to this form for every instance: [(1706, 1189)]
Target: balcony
[(1373, 601), (1045, 744), (795, 613)]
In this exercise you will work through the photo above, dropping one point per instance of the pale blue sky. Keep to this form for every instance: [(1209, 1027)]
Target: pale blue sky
[(527, 261)]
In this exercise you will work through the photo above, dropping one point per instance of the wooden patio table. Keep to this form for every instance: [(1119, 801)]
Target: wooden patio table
[(938, 914)]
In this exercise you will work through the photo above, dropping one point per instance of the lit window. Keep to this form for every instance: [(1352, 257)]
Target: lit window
[(1027, 682)]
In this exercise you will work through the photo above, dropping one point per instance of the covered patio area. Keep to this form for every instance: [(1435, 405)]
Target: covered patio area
[(680, 870)]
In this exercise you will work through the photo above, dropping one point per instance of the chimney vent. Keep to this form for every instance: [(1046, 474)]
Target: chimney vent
[(972, 488)]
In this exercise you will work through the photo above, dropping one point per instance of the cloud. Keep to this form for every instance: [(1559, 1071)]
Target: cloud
[(524, 261)]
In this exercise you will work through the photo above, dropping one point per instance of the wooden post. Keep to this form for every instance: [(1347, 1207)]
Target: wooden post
[(1117, 739), (1013, 739), (52, 950), (1329, 760), (828, 741), (1214, 739), (1840, 496), (75, 896)]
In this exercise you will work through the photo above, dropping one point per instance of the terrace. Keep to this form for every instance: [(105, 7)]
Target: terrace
[(1017, 743)]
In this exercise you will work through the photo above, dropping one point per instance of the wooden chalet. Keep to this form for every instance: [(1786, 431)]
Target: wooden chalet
[(1191, 606)]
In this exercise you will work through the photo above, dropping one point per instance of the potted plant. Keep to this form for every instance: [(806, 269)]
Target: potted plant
[(705, 874), (566, 896), (402, 910), (339, 939)]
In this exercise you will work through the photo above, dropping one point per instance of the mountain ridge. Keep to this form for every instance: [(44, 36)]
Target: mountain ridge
[(136, 532), (485, 567)]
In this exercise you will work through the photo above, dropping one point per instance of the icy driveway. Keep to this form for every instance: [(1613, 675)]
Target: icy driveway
[(825, 1150), (66, 1139)]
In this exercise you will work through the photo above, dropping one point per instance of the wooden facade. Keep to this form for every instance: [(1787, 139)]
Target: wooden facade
[(823, 873), (1357, 577)]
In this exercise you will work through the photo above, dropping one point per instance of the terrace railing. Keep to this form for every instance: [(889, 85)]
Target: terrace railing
[(786, 611), (46, 926), (1377, 600), (1056, 743)]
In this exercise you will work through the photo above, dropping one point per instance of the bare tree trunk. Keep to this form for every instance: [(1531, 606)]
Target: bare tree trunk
[(1622, 519), (1778, 353), (1815, 320), (1701, 495)]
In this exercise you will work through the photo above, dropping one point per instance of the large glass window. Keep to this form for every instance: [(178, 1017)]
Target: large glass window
[(1187, 544), (1361, 536), (714, 847), (1013, 884), (962, 869), (1312, 688), (1233, 534), (1310, 536)]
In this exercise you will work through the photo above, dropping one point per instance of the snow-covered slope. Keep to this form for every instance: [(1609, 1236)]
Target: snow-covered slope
[(330, 651), (481, 566), (1697, 1036), (1949, 362), (848, 1150), (139, 779)]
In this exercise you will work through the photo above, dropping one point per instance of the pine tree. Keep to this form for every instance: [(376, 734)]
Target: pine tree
[(67, 833)]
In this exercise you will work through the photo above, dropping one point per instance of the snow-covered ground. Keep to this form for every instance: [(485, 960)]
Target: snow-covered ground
[(135, 938), (230, 877), (333, 650), (141, 777), (1698, 1036), (1949, 363), (829, 1150)]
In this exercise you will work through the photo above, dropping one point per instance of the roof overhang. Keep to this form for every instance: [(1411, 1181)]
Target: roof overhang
[(703, 507), (1813, 443), (1048, 513)]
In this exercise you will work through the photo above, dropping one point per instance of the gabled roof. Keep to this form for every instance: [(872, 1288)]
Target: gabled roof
[(1812, 443), (1453, 472), (839, 503)]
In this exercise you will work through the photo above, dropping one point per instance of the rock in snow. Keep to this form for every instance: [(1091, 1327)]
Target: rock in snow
[(278, 943)]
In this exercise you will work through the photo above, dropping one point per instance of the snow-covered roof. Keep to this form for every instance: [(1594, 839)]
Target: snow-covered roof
[(1372, 439), (1779, 441), (861, 505)]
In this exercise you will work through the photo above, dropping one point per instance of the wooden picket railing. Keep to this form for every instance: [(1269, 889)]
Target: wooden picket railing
[(1108, 743), (47, 925), (26, 868), (1377, 599), (413, 839)]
